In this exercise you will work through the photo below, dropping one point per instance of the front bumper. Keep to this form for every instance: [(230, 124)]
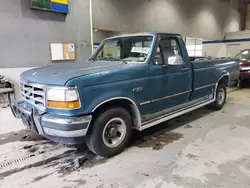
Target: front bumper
[(61, 129), (244, 75)]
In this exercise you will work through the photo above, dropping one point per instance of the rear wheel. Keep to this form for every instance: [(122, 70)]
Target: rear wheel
[(111, 132), (221, 96)]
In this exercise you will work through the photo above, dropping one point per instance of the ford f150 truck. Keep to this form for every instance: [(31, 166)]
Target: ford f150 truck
[(131, 82)]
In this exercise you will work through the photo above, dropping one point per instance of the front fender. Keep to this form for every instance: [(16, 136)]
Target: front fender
[(92, 97), (109, 97)]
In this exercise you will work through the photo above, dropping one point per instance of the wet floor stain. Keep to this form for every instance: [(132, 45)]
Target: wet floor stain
[(33, 149), (78, 182), (27, 147), (38, 178), (55, 160), (23, 135), (64, 164), (86, 159), (188, 126), (192, 156), (159, 141)]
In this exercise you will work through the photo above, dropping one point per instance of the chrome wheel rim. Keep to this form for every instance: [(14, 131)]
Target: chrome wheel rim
[(221, 96), (114, 132)]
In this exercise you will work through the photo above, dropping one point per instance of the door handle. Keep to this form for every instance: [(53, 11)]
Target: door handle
[(185, 69)]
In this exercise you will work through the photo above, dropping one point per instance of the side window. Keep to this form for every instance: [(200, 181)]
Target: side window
[(167, 47)]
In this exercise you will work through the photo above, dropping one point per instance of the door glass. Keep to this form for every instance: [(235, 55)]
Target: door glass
[(167, 47)]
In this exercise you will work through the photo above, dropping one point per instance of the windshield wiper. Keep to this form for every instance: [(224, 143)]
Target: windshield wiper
[(108, 59), (124, 61)]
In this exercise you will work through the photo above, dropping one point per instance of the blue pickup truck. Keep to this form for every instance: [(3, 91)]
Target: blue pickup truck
[(131, 82)]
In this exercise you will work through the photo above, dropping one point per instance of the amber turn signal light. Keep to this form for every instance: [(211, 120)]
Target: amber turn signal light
[(64, 105)]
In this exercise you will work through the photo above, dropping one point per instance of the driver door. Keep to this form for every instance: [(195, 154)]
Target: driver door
[(171, 83)]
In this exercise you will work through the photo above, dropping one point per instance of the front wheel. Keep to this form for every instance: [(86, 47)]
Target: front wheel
[(221, 96), (110, 132)]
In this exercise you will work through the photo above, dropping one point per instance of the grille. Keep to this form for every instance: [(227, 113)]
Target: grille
[(33, 94)]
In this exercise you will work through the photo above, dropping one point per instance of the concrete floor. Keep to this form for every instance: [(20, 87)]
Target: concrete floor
[(201, 149)]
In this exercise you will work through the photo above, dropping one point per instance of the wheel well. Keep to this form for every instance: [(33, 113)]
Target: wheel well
[(224, 80), (124, 103)]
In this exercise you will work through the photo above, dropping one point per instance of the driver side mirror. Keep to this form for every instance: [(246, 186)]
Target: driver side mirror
[(175, 60)]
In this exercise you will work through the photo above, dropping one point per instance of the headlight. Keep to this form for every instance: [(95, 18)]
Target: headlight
[(63, 98)]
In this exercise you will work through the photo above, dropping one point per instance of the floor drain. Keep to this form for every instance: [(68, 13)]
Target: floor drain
[(8, 163), (21, 159)]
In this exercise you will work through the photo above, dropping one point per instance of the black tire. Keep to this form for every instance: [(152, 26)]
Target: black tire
[(219, 103), (94, 139), (241, 84)]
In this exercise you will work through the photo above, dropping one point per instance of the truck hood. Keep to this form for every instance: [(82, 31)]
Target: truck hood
[(61, 73)]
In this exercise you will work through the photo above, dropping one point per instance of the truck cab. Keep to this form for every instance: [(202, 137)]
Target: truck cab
[(131, 82)]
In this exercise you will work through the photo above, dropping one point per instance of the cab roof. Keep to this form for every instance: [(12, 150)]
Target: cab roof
[(142, 34)]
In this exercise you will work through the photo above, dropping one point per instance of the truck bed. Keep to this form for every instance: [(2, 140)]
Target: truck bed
[(207, 71)]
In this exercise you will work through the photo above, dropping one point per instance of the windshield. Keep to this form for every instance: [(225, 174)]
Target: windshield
[(127, 49), (244, 55)]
